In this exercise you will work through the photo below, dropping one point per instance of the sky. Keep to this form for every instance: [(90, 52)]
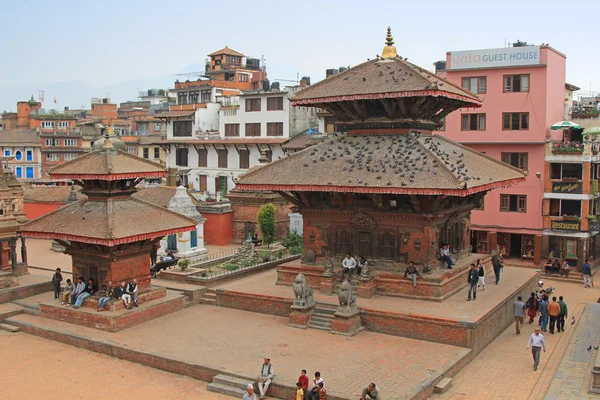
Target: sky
[(75, 50)]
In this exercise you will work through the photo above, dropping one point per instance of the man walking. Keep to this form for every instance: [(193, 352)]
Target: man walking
[(266, 376), (496, 264), (586, 270), (562, 315), (554, 312), (519, 308), (472, 279), (536, 342), (544, 313)]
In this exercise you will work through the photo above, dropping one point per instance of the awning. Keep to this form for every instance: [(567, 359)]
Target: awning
[(565, 125)]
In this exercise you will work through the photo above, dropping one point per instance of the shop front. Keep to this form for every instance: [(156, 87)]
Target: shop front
[(570, 248), (517, 245)]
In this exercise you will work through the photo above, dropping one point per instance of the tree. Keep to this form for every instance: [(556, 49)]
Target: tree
[(266, 223)]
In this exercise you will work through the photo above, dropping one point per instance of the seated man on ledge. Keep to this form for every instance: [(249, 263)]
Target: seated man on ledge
[(265, 378), (370, 393), (564, 269), (412, 273)]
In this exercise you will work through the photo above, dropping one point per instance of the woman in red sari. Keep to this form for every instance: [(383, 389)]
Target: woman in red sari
[(532, 307)]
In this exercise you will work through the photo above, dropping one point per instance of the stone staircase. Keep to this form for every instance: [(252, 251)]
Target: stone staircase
[(6, 311), (209, 297), (229, 385), (322, 318), (28, 308)]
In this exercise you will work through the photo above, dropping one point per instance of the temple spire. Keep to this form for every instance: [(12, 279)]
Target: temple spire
[(389, 51)]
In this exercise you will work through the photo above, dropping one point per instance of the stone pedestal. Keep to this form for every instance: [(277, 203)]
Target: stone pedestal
[(300, 316), (327, 283), (346, 322), (366, 287)]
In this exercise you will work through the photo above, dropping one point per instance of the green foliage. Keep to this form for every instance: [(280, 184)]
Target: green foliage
[(228, 267), (247, 264), (183, 263), (265, 255), (592, 217), (266, 223), (293, 240)]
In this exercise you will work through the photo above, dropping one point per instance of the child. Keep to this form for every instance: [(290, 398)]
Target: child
[(322, 392), (56, 280), (69, 287), (299, 391), (303, 379)]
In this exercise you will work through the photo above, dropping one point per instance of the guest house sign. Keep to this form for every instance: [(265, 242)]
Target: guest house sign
[(566, 187), (490, 58)]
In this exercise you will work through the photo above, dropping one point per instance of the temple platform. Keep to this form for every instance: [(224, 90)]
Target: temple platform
[(21, 286), (455, 321), (438, 285), (153, 304)]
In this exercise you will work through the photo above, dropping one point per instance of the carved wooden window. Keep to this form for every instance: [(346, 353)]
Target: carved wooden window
[(344, 242), (386, 246), (365, 244)]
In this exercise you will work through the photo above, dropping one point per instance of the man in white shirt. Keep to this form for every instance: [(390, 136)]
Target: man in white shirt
[(537, 342), (266, 376), (348, 265)]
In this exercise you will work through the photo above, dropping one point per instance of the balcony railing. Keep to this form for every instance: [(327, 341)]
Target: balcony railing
[(229, 113), (561, 147)]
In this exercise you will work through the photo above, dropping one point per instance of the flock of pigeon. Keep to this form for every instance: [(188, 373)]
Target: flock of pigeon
[(380, 155)]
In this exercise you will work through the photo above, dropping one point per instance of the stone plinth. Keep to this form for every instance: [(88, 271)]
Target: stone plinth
[(300, 316), (115, 304), (366, 287), (328, 283), (346, 322)]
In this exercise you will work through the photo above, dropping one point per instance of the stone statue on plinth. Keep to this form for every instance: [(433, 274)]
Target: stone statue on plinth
[(347, 299), (365, 273), (328, 269), (303, 294)]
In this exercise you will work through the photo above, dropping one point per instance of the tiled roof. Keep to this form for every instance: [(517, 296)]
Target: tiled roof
[(227, 51), (175, 114), (109, 223), (17, 137), (49, 194), (108, 164), (402, 164), (160, 196), (300, 142), (388, 78)]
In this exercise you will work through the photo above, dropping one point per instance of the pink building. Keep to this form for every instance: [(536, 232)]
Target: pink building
[(523, 93)]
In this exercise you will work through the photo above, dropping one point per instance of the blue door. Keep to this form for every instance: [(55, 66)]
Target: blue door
[(29, 172), (194, 238), (172, 242)]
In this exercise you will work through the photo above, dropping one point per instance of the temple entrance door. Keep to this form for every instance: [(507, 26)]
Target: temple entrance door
[(344, 242), (365, 244), (387, 247)]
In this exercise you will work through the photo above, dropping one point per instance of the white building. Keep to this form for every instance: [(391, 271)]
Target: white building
[(209, 147)]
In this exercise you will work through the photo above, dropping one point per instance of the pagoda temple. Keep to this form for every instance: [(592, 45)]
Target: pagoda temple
[(109, 235), (387, 188), (11, 217)]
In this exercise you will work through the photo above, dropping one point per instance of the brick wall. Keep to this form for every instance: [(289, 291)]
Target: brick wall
[(250, 302), (218, 228), (15, 293)]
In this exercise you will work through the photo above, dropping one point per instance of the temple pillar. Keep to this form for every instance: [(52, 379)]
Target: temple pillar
[(13, 253), (23, 251)]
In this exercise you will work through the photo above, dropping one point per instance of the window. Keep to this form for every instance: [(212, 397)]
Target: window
[(193, 97), (47, 124), (7, 153), (71, 142), (18, 155), (157, 152), (516, 83), (222, 156), (157, 127), (513, 203), (19, 172), (52, 142), (203, 183), (29, 155), (131, 149), (253, 129), (518, 160), (70, 156), (566, 171), (194, 239), (182, 98), (481, 205), (202, 158), (63, 124), (274, 103), (205, 96), (52, 157), (243, 77), (571, 208), (244, 159), (29, 172), (232, 129), (146, 152), (515, 121), (142, 126), (182, 128), (252, 105), (475, 84), (274, 128), (181, 157), (473, 122)]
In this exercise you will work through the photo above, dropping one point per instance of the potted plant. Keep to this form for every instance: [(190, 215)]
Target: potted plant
[(183, 263)]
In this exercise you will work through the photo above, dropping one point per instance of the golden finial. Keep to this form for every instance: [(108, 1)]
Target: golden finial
[(389, 51)]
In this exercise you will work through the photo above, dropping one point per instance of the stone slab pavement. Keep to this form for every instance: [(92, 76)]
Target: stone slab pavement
[(573, 376), (236, 342), (49, 370), (504, 369), (454, 308)]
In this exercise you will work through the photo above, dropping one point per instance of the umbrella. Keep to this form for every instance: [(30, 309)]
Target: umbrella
[(310, 131), (595, 130), (565, 125)]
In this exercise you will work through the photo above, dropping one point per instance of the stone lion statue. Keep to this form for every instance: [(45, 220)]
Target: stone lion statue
[(303, 294), (345, 296)]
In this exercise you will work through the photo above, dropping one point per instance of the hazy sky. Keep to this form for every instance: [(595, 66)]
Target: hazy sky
[(106, 42)]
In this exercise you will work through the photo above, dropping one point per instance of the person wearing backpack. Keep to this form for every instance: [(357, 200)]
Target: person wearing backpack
[(472, 279)]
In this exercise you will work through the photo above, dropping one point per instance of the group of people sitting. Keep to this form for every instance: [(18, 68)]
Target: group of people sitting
[(349, 265), (74, 294), (557, 267), (305, 390)]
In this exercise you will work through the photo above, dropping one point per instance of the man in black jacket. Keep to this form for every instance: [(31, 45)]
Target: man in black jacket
[(472, 279)]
